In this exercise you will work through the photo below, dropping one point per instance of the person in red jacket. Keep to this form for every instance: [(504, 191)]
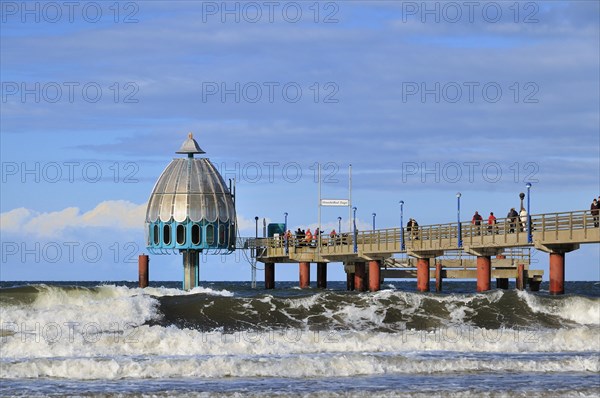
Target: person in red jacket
[(308, 237), (492, 223)]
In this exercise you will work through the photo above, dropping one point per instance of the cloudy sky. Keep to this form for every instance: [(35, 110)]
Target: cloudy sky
[(423, 99)]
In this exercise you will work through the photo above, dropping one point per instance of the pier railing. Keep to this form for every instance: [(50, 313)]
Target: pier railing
[(566, 227)]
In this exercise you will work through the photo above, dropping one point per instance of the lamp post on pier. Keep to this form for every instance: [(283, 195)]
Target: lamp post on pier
[(255, 252), (374, 215), (354, 227), (529, 237), (458, 195), (285, 235), (339, 225), (256, 232), (402, 247)]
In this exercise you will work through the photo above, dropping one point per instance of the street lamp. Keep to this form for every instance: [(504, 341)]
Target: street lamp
[(339, 225), (256, 235), (253, 262), (354, 226), (402, 225), (458, 195), (374, 221), (529, 237), (285, 236)]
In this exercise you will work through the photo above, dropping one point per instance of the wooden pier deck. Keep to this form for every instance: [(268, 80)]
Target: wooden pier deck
[(554, 233)]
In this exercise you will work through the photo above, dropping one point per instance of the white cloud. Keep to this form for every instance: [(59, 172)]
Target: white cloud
[(11, 220), (118, 214)]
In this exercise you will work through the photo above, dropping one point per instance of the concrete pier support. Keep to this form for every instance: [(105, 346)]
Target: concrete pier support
[(350, 281), (374, 276), (359, 277), (557, 273), (484, 273), (534, 285), (269, 275), (438, 277), (143, 270), (520, 277), (304, 275), (322, 275), (423, 274), (502, 283), (191, 269)]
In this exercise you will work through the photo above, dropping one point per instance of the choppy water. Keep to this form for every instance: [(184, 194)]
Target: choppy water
[(226, 339)]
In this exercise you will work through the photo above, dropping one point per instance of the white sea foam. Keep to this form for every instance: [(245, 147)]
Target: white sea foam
[(163, 291), (291, 366), (582, 310), (60, 315), (102, 333), (92, 339), (103, 305)]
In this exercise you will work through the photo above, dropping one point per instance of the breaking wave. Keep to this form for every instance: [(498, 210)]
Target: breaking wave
[(115, 332)]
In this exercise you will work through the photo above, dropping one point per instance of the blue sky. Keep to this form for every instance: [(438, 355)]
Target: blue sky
[(422, 102)]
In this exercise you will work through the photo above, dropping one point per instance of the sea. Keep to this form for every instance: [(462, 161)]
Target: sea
[(227, 339)]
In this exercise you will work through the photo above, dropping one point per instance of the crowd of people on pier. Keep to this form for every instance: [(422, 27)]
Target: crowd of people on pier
[(308, 238), (514, 221)]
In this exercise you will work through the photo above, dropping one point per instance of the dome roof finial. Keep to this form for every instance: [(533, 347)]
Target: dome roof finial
[(190, 146)]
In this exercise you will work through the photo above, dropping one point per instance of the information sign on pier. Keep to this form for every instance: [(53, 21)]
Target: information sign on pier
[(335, 202)]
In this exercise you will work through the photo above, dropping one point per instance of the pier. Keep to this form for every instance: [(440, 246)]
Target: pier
[(191, 210), (437, 251)]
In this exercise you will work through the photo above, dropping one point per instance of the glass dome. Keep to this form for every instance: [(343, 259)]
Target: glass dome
[(190, 207)]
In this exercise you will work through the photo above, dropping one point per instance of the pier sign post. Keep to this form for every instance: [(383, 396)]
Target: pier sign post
[(335, 202)]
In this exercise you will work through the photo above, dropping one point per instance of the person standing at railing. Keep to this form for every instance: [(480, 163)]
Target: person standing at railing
[(300, 236), (512, 218), (412, 228), (332, 236), (523, 217), (476, 221), (492, 223), (595, 210), (308, 237)]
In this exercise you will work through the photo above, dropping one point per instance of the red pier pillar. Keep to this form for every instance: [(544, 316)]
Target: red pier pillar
[(269, 275), (304, 275), (557, 273), (520, 277), (438, 277), (484, 273), (374, 276), (423, 274), (143, 270), (359, 277), (322, 275)]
